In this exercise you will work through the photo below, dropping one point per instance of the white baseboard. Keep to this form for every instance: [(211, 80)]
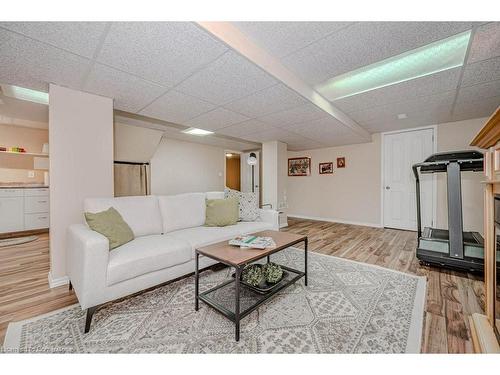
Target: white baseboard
[(334, 220), (60, 281)]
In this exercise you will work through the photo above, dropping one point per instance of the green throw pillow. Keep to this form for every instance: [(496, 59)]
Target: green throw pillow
[(111, 225), (221, 212)]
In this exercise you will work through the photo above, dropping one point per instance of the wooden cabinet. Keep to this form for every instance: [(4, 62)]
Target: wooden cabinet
[(482, 326), (23, 209)]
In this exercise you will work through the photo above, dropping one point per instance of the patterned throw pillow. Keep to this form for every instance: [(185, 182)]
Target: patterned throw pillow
[(249, 207)]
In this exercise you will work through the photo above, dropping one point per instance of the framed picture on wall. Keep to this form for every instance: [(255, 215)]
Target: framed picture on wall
[(341, 162), (299, 166), (326, 168)]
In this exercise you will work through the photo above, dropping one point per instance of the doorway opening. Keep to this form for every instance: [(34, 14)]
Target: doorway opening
[(233, 171)]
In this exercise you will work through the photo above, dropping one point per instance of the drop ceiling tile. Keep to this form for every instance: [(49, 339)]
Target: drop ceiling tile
[(283, 38), (275, 134), (229, 78), (274, 99), (129, 92), (176, 107), (161, 52), (432, 118), (245, 128), (326, 125), (81, 38), (481, 72), (289, 117), (29, 63), (364, 43), (423, 107), (475, 108), (429, 85), (478, 92), (304, 145), (486, 43), (216, 119)]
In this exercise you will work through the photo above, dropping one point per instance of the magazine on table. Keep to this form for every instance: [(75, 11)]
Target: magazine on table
[(253, 242)]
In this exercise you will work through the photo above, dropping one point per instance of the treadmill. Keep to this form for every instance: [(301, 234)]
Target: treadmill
[(452, 247)]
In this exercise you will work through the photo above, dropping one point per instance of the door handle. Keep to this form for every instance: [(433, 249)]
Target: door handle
[(387, 188)]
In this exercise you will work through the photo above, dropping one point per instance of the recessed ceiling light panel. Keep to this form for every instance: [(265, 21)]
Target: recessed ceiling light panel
[(196, 131), (402, 116), (22, 93), (433, 58)]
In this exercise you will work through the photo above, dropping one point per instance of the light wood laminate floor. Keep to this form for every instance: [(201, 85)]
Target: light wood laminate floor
[(451, 296)]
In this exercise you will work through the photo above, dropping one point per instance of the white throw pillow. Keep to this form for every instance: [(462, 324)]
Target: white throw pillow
[(248, 205)]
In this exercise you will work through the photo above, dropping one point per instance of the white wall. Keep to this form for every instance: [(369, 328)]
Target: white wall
[(352, 194), (134, 143), (274, 177), (81, 162), (182, 167), (454, 136)]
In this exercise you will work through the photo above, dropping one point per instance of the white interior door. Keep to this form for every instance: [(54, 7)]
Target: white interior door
[(401, 151)]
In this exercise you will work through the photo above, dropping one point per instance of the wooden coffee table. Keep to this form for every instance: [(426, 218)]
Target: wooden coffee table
[(237, 258)]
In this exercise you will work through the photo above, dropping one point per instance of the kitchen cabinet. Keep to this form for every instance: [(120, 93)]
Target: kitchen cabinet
[(23, 209)]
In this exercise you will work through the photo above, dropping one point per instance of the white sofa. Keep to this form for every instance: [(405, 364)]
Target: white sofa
[(167, 230)]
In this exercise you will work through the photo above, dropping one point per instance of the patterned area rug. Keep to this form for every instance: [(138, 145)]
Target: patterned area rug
[(17, 240), (348, 307)]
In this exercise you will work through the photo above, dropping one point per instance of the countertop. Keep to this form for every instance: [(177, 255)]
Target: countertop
[(21, 186)]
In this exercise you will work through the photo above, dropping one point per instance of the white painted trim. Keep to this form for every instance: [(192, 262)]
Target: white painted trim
[(382, 170), (60, 281), (335, 220)]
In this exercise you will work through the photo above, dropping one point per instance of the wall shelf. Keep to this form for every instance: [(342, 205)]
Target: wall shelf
[(24, 153)]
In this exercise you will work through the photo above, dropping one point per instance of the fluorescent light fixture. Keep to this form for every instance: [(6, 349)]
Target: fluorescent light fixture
[(196, 131), (22, 93), (433, 58)]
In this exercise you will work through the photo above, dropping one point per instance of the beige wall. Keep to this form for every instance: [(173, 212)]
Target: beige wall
[(14, 168), (81, 163), (352, 194), (181, 167), (134, 143), (454, 136)]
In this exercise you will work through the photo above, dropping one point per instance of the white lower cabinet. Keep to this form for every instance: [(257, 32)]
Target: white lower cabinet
[(24, 209), (11, 214)]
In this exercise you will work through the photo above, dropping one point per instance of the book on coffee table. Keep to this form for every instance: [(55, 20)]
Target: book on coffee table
[(253, 242)]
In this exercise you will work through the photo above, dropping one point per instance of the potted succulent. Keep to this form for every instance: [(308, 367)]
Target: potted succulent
[(273, 273)]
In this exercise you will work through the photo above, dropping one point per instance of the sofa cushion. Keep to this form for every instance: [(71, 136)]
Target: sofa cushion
[(202, 236), (215, 195), (111, 225), (182, 211), (247, 203), (144, 255), (247, 227), (142, 213), (221, 212)]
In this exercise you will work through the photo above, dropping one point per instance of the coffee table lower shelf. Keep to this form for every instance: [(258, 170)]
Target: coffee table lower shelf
[(222, 297)]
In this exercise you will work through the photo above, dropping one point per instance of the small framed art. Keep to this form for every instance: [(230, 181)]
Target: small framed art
[(341, 162), (326, 168), (299, 166)]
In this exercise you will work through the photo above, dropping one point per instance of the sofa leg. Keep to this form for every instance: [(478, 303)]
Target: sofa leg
[(70, 286), (88, 319)]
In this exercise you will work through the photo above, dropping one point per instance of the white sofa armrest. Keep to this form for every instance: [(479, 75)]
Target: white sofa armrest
[(87, 262), (270, 216)]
